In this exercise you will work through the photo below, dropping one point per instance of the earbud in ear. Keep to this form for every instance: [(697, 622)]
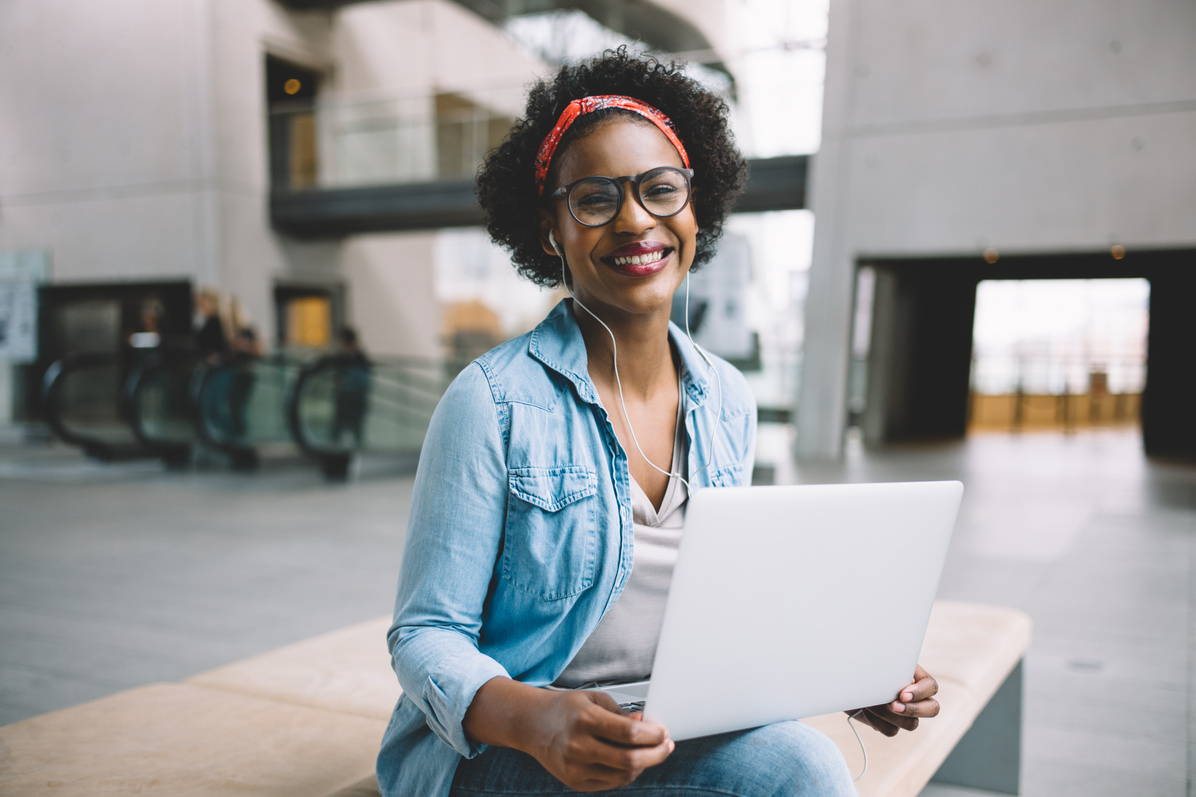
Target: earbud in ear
[(555, 245)]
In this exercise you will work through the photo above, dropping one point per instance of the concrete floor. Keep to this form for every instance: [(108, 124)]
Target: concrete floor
[(113, 576)]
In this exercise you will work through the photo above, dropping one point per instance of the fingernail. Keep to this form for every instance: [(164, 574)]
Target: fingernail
[(898, 707), (672, 746), (908, 696)]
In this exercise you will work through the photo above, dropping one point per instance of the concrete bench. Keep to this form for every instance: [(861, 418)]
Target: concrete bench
[(307, 719)]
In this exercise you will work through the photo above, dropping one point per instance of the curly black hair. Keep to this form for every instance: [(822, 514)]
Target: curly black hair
[(506, 182)]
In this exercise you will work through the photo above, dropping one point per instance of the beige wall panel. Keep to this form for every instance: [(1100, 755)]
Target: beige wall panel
[(1065, 186), (121, 238), (392, 299), (925, 60), (253, 258), (102, 97)]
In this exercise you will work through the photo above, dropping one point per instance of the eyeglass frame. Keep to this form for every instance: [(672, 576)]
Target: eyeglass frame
[(635, 180)]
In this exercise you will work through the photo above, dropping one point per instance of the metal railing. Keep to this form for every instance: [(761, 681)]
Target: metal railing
[(239, 407), (166, 403), (343, 405), (84, 399)]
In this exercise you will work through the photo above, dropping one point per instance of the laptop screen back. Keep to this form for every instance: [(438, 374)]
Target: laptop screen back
[(790, 602)]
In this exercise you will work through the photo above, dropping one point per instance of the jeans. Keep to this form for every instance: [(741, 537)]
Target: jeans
[(786, 758)]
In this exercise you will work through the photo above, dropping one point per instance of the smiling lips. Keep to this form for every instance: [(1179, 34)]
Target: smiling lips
[(641, 259)]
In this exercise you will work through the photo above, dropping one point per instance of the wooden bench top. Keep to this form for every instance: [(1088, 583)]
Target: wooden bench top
[(307, 719), (182, 740)]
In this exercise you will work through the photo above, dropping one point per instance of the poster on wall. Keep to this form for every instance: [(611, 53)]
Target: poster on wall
[(20, 274)]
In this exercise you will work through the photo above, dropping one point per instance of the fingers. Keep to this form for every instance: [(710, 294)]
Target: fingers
[(585, 740), (913, 702), (886, 715), (881, 720), (610, 740), (922, 687), (917, 699), (614, 726)]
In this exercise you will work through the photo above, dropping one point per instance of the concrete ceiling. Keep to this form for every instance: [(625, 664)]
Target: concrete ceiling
[(642, 20)]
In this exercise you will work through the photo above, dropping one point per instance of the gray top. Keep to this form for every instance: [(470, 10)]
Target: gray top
[(623, 645)]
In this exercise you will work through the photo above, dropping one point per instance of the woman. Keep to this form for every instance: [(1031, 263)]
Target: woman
[(551, 489)]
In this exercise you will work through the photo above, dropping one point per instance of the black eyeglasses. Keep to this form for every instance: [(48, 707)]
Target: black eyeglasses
[(595, 201)]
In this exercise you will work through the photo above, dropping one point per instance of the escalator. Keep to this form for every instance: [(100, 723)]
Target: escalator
[(342, 406), (158, 406), (166, 404), (84, 399), (240, 407)]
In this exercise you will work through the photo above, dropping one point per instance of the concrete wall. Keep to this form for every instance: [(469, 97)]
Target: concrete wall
[(99, 157), (135, 134), (1025, 126), (411, 50), (133, 142)]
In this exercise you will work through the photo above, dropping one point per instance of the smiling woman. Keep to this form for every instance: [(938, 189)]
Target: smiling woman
[(553, 484)]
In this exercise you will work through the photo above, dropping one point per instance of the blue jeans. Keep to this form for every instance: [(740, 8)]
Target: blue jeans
[(785, 758)]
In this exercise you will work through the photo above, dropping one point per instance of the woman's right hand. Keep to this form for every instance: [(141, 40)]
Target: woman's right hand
[(582, 738)]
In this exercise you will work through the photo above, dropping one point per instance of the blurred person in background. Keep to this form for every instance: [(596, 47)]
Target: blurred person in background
[(211, 342), (245, 348), (352, 387)]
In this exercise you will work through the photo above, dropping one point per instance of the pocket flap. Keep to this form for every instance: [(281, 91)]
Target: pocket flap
[(552, 489)]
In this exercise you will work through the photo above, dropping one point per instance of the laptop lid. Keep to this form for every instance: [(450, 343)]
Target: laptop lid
[(795, 601)]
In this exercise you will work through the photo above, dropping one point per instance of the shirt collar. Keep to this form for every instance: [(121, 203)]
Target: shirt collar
[(557, 342)]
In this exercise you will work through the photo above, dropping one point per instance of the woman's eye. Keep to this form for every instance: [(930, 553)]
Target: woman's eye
[(661, 190), (595, 199)]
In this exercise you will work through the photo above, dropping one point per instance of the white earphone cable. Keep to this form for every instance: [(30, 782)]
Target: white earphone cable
[(619, 383), (863, 749)]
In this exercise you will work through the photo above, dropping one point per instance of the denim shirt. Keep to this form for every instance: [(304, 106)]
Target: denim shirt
[(520, 535)]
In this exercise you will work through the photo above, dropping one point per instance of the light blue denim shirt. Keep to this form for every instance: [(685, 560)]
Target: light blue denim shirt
[(520, 535)]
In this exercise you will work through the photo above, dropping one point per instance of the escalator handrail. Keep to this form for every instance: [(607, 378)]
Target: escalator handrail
[(308, 372), (201, 380), (52, 382), (431, 388), (168, 450)]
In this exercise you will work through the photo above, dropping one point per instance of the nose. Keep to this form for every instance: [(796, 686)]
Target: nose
[(633, 217)]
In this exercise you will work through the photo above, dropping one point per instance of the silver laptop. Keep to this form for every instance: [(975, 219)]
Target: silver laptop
[(790, 602)]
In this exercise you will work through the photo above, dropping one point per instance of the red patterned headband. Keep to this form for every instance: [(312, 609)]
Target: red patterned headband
[(596, 103)]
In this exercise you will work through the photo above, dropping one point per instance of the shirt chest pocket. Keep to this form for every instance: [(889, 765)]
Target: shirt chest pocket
[(550, 546)]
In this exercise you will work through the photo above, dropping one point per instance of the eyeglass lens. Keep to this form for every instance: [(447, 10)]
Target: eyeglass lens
[(597, 200)]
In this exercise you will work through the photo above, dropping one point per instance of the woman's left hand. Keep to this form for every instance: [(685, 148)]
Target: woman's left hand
[(914, 701)]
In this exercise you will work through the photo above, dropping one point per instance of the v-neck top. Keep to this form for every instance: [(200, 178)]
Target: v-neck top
[(623, 644)]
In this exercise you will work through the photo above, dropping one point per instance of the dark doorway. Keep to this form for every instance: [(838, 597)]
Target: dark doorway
[(104, 317), (291, 92), (921, 340)]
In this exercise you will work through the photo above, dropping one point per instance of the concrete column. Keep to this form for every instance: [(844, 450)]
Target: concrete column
[(6, 402), (205, 263), (822, 400)]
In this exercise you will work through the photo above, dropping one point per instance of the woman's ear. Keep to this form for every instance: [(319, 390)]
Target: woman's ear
[(547, 238)]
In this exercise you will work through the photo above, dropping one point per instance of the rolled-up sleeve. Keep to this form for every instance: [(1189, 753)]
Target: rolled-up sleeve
[(454, 537)]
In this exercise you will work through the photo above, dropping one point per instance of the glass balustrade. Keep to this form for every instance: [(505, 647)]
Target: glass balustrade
[(344, 405), (241, 407), (345, 141), (159, 407)]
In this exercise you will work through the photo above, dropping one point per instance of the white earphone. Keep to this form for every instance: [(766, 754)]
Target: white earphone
[(619, 383)]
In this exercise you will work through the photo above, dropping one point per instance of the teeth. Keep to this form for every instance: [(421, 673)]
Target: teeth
[(640, 260)]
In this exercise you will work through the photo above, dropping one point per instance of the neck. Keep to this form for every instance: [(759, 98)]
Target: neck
[(644, 353)]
